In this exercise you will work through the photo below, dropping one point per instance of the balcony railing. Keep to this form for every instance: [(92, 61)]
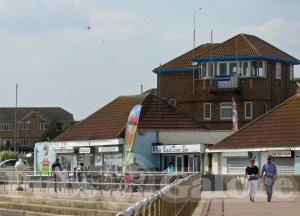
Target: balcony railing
[(225, 83)]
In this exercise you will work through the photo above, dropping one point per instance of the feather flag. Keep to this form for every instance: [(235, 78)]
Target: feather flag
[(235, 122)]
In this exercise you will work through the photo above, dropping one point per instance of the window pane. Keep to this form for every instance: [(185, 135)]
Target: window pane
[(278, 70), (223, 69), (207, 111), (203, 70), (210, 69), (248, 110), (226, 110), (245, 69), (232, 68)]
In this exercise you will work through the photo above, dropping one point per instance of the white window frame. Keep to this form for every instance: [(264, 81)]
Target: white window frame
[(204, 109), (278, 70), (292, 72), (24, 142), (6, 126), (24, 125), (226, 106), (245, 110), (42, 125)]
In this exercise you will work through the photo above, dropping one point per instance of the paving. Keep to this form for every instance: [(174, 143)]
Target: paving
[(237, 203), (44, 203)]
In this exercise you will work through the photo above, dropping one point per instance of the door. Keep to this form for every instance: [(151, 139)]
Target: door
[(179, 163), (191, 164)]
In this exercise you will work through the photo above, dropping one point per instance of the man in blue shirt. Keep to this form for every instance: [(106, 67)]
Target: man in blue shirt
[(269, 171)]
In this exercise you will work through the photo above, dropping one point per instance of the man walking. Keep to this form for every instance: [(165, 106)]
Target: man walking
[(269, 172), (56, 168)]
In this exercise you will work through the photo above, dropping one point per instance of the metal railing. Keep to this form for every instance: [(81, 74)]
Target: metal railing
[(93, 181), (174, 199)]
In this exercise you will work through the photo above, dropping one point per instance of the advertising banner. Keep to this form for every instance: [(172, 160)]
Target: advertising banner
[(130, 134)]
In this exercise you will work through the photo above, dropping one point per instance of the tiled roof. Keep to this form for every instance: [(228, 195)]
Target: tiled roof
[(184, 61), (106, 123), (244, 46), (159, 115), (280, 127), (109, 122), (7, 114)]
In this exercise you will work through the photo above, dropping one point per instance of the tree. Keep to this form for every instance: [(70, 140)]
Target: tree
[(53, 129)]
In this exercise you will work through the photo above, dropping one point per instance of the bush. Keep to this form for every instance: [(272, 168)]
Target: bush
[(5, 155)]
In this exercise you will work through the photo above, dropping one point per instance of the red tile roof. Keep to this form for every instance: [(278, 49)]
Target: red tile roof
[(280, 127), (244, 45), (109, 122), (185, 60)]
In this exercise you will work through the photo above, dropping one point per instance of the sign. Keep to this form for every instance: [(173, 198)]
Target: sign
[(281, 153), (108, 149), (84, 150), (173, 149), (63, 150), (222, 78), (130, 133)]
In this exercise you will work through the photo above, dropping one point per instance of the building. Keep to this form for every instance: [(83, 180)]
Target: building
[(203, 81), (274, 133), (164, 134), (31, 124)]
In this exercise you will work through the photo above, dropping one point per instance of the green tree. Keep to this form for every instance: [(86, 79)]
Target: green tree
[(53, 129)]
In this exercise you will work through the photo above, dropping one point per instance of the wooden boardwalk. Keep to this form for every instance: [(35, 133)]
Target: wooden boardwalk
[(238, 204)]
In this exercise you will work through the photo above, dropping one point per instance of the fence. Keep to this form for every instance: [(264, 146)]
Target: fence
[(174, 199), (93, 181)]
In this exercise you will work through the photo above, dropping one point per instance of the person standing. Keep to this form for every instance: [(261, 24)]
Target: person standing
[(269, 172), (251, 176), (80, 174), (56, 169)]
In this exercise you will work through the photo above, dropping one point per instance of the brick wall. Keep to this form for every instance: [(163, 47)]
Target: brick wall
[(261, 91)]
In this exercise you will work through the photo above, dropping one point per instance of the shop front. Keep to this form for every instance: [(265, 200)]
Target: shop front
[(184, 158), (109, 158)]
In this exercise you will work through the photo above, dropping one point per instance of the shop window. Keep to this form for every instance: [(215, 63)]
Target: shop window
[(226, 111), (207, 111), (248, 110)]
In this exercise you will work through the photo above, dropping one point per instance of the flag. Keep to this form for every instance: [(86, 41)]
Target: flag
[(234, 115)]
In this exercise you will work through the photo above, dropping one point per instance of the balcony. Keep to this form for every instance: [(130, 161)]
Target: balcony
[(224, 83)]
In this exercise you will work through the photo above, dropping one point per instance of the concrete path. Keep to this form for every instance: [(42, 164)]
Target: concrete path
[(234, 203)]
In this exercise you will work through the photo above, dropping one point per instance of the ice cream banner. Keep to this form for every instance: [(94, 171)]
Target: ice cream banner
[(130, 134)]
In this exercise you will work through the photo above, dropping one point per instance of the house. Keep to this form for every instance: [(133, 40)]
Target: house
[(31, 123), (164, 135), (203, 81), (275, 133)]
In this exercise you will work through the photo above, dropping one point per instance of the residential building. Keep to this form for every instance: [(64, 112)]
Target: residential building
[(275, 133), (31, 123), (164, 134), (203, 81)]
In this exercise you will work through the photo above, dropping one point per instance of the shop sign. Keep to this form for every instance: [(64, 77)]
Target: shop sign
[(108, 149), (281, 153), (84, 150), (164, 149), (63, 150)]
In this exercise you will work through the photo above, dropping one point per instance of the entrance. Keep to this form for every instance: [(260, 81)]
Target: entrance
[(182, 163)]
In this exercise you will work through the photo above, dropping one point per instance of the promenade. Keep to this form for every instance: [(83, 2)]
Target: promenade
[(233, 203)]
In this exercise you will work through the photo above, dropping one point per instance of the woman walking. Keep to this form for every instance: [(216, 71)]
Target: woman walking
[(252, 176)]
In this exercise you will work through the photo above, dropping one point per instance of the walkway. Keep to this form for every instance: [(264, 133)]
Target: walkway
[(238, 204)]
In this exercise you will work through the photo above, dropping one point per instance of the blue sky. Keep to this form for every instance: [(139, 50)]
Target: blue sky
[(47, 49)]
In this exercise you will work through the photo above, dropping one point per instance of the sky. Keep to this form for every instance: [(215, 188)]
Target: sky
[(81, 54)]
